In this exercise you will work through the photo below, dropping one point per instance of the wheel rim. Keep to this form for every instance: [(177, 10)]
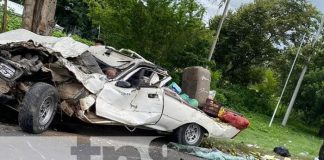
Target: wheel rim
[(192, 134), (46, 110)]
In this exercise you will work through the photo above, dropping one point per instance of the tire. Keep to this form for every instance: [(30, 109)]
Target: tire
[(189, 134), (38, 108)]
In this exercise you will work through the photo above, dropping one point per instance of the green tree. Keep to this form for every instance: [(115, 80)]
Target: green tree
[(72, 16), (256, 33), (13, 20), (170, 33), (310, 99)]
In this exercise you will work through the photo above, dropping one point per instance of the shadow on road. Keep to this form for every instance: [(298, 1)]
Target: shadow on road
[(63, 123), (74, 125), (66, 126)]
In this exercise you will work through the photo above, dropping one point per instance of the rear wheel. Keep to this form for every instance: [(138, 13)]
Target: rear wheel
[(38, 108), (189, 134)]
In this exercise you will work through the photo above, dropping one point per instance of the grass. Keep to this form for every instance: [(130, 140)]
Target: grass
[(296, 137)]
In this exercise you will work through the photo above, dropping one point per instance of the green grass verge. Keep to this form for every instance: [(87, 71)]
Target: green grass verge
[(296, 136)]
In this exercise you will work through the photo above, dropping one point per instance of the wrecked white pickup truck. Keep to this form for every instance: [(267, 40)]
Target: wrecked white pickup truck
[(40, 75)]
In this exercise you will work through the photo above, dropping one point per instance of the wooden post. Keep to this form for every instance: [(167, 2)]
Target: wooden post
[(39, 15), (4, 18)]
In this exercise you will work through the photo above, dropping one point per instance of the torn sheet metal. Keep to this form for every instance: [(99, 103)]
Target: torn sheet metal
[(87, 102), (58, 71), (67, 46), (4, 87), (67, 108), (109, 56), (69, 90), (92, 82), (23, 86)]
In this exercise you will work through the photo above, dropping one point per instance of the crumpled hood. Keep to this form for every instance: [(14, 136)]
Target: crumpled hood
[(67, 46)]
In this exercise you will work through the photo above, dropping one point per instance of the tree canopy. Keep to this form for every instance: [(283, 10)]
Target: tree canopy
[(164, 31), (72, 16), (256, 33)]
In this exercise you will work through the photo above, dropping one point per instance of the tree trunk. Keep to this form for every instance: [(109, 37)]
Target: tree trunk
[(27, 22), (4, 18), (39, 15)]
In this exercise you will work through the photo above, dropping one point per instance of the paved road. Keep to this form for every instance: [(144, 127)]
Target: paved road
[(71, 139)]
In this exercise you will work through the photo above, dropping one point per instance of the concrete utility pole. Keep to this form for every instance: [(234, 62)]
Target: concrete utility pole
[(301, 78), (38, 16), (4, 17), (218, 30), (287, 80)]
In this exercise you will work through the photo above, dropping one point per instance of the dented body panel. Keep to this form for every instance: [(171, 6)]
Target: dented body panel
[(89, 95)]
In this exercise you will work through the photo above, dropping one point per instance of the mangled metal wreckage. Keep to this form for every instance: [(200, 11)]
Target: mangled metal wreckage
[(40, 75)]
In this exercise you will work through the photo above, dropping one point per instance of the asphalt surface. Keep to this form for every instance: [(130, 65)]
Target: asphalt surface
[(69, 138)]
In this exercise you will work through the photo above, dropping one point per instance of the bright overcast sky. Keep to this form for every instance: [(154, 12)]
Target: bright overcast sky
[(212, 6)]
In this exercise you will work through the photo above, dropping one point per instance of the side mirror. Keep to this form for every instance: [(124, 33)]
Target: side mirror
[(123, 84)]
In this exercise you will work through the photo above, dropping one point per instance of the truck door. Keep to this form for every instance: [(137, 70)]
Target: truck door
[(141, 104), (149, 104)]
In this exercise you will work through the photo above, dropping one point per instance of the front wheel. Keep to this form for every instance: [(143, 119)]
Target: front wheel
[(38, 108), (189, 134)]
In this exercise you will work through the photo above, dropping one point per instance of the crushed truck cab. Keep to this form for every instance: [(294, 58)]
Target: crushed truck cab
[(98, 85)]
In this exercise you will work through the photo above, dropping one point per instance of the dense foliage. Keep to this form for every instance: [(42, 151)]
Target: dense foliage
[(311, 97), (255, 34), (72, 16), (13, 21), (256, 47), (168, 32)]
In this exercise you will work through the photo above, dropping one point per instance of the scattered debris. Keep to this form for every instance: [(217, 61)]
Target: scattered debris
[(252, 145), (206, 153), (282, 151), (304, 153), (269, 157)]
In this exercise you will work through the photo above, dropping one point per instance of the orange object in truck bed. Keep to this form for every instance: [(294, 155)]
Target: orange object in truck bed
[(235, 120)]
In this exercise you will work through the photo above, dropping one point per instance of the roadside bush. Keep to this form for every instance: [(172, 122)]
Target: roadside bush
[(215, 79), (13, 21), (82, 40), (311, 97), (220, 97), (238, 98), (267, 89), (58, 33), (260, 96)]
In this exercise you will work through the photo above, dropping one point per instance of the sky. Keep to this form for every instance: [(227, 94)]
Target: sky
[(212, 6)]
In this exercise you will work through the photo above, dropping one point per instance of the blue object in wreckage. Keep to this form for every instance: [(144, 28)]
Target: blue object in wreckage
[(175, 87)]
